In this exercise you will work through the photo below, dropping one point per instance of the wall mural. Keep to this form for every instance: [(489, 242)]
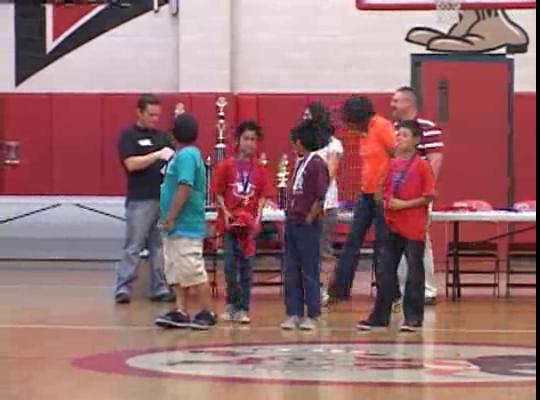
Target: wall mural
[(481, 26)]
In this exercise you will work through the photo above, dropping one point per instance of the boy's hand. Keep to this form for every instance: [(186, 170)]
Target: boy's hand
[(397, 204), (168, 225), (258, 219), (310, 220), (229, 218)]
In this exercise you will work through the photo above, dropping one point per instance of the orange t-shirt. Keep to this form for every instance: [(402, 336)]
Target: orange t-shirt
[(375, 149)]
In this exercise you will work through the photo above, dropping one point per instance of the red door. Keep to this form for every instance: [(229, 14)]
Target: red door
[(470, 98)]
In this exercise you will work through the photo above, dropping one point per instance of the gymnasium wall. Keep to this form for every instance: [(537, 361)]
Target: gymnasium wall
[(238, 46)]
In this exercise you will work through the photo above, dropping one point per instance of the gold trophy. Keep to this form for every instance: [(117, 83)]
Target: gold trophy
[(283, 182)]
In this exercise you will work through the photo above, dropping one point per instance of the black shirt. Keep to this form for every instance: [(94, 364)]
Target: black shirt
[(136, 141)]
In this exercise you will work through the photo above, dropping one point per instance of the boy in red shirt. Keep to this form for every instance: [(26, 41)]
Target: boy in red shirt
[(409, 189), (242, 188)]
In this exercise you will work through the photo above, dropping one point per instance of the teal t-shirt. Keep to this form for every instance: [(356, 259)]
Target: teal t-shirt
[(186, 168)]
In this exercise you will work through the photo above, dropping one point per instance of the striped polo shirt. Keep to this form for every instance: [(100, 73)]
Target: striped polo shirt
[(432, 138)]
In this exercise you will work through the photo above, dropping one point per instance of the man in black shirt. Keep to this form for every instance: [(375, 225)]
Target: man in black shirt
[(144, 152)]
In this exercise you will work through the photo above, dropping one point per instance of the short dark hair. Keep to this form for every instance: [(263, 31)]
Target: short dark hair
[(358, 110), (321, 117), (186, 129), (309, 135), (410, 91), (248, 125), (146, 100), (412, 126)]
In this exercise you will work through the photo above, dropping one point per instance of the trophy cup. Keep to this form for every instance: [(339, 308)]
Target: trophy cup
[(283, 182), (179, 109), (221, 145), (10, 153), (263, 160)]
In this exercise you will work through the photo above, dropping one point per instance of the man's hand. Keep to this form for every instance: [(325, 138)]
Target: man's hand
[(166, 154), (397, 204)]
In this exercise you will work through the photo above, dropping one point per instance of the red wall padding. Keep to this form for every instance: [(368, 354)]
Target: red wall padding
[(2, 133), (69, 141), (28, 120), (77, 144), (525, 155), (119, 111)]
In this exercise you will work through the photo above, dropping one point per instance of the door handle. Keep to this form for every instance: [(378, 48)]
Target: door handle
[(10, 153), (444, 100)]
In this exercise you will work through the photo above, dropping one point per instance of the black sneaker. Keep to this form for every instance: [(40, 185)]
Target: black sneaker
[(411, 326), (204, 320), (164, 298), (174, 320), (122, 298), (368, 326)]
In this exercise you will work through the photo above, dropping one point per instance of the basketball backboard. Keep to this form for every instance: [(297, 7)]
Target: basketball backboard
[(431, 4)]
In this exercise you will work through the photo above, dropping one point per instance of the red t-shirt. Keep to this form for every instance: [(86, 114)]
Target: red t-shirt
[(409, 180), (242, 184)]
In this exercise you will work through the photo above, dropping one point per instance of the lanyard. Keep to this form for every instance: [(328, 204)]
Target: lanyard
[(401, 177)]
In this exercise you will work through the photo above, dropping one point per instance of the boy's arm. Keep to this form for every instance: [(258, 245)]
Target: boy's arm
[(219, 188), (314, 213), (321, 181), (185, 166), (397, 204), (226, 213), (180, 199), (428, 191)]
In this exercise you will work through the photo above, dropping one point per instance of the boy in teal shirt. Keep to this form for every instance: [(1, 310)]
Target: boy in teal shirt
[(183, 194)]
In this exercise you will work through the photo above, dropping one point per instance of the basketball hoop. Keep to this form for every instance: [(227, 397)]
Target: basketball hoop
[(448, 11)]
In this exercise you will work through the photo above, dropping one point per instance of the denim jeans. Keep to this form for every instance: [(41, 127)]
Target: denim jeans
[(238, 275), (366, 213), (142, 232), (302, 269), (413, 304)]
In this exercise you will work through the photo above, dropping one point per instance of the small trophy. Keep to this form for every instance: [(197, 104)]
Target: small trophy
[(179, 109), (263, 160), (283, 182), (10, 153), (221, 145)]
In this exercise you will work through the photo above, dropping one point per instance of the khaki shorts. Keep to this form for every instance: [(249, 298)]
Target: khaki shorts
[(184, 262)]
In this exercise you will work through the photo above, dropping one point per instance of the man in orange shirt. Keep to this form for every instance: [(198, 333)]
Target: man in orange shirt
[(377, 144)]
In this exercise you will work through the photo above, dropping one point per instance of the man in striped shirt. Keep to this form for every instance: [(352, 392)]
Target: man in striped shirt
[(405, 107)]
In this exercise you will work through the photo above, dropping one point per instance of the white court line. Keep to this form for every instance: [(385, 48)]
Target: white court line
[(252, 329)]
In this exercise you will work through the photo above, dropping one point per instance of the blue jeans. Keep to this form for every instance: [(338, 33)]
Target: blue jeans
[(302, 269), (238, 275), (142, 232), (366, 213), (413, 304)]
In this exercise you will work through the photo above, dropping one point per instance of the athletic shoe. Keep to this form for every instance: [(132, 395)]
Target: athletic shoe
[(174, 320), (291, 324), (204, 320)]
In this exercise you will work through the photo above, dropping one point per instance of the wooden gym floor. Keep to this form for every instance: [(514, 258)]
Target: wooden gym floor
[(61, 337)]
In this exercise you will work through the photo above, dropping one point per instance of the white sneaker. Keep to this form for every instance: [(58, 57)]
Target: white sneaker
[(325, 298), (309, 325), (291, 324), (242, 317), (229, 314)]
